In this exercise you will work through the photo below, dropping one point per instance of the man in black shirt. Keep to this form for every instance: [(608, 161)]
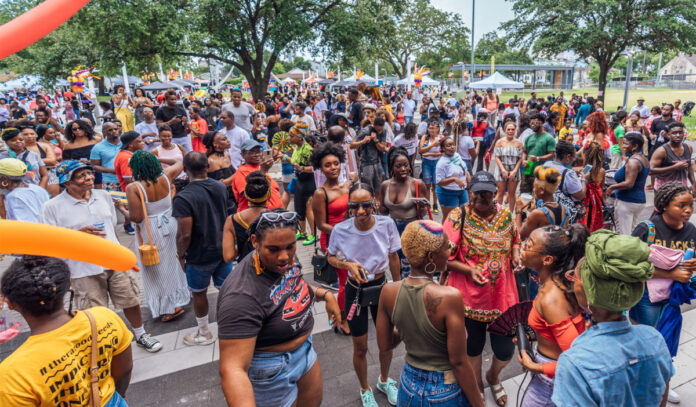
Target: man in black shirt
[(659, 126), (371, 143), (355, 114), (174, 115), (200, 210)]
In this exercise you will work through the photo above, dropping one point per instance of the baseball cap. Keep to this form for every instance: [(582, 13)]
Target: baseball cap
[(370, 106), (66, 169), (249, 144), (483, 181), (127, 138), (12, 167)]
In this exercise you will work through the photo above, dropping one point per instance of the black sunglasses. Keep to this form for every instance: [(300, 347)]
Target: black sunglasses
[(366, 205)]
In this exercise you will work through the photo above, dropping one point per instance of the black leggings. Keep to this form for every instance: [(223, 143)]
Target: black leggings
[(304, 189), (503, 348)]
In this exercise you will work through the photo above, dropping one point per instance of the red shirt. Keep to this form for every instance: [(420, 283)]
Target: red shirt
[(239, 183), (200, 126), (121, 166)]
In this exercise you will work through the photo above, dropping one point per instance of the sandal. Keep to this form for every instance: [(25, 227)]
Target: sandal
[(337, 329), (177, 313), (498, 393)]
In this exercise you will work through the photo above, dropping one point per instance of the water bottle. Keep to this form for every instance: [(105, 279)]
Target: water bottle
[(688, 254)]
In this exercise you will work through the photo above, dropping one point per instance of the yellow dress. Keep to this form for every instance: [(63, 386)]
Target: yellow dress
[(125, 116)]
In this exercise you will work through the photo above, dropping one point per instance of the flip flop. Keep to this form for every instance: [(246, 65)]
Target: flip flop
[(177, 313), (498, 393)]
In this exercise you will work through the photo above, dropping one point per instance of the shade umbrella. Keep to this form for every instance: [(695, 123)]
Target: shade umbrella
[(670, 322)]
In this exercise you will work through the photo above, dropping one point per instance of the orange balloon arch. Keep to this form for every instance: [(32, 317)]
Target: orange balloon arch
[(24, 30), (53, 241)]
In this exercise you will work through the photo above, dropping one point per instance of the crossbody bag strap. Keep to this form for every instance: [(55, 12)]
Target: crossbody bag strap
[(141, 194), (95, 396)]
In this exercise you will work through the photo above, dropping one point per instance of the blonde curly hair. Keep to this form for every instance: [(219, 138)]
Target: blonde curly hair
[(420, 238), (548, 178)]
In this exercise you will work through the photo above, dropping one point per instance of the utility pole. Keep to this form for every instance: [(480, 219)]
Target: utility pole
[(628, 78), (473, 65)]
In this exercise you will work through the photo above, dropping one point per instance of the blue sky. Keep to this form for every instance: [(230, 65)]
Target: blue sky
[(489, 13)]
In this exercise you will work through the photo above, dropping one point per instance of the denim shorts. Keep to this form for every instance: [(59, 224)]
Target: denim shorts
[(198, 277), (288, 172), (116, 401), (647, 312), (540, 388), (426, 388), (449, 198), (428, 170), (274, 376)]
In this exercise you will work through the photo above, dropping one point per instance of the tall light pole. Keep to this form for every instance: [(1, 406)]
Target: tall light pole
[(473, 65), (629, 68), (411, 59)]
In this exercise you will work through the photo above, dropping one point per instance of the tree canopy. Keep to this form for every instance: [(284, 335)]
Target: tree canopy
[(603, 29)]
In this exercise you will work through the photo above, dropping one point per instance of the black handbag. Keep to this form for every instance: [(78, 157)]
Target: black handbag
[(369, 296), (324, 273)]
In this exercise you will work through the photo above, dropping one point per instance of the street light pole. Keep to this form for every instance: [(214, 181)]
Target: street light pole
[(473, 65), (629, 67)]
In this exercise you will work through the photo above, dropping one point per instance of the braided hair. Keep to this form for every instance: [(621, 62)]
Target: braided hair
[(37, 284), (145, 166), (260, 228), (567, 247), (666, 194)]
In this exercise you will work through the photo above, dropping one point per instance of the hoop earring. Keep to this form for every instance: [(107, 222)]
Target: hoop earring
[(430, 264)]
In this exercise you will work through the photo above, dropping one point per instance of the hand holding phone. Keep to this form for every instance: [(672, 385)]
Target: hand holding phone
[(587, 169)]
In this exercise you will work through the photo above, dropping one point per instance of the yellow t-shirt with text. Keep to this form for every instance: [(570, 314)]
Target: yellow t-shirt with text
[(52, 369)]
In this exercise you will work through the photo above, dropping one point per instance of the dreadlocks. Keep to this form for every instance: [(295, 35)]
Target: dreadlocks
[(145, 166), (667, 193)]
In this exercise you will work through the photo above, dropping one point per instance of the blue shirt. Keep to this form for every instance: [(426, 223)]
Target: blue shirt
[(106, 152), (25, 203), (582, 113), (613, 364)]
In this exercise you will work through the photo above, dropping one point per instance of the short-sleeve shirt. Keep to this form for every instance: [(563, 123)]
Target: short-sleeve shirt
[(411, 145), (301, 155), (619, 132), (369, 248), (658, 125), (242, 114), (165, 114), (33, 162), (466, 143), (52, 368), (369, 154), (206, 202), (146, 128), (107, 152), (571, 182), (356, 111), (121, 167), (25, 204), (273, 308), (538, 145), (665, 236), (236, 137), (446, 168)]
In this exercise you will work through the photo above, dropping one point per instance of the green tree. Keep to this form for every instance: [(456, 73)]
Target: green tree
[(492, 45), (603, 29)]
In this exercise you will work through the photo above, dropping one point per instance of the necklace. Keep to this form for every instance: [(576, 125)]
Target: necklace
[(421, 277)]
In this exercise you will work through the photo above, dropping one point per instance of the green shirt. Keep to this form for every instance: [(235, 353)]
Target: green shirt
[(619, 132), (301, 154), (538, 145)]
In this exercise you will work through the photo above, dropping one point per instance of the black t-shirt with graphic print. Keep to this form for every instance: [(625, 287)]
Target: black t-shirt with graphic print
[(665, 236)]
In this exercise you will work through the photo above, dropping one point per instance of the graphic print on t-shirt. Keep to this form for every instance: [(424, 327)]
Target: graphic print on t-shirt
[(293, 290)]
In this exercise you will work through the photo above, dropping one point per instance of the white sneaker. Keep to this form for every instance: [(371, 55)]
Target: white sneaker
[(197, 338), (673, 397)]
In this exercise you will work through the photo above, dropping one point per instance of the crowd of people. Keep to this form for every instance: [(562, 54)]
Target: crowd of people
[(368, 182)]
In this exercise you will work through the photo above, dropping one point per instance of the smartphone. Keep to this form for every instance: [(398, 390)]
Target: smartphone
[(587, 169), (268, 155)]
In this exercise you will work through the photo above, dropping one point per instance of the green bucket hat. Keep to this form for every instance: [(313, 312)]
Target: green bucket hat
[(615, 270)]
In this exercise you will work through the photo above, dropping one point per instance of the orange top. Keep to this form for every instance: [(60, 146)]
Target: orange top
[(239, 183), (563, 333)]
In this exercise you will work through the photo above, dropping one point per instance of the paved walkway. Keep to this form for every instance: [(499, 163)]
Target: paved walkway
[(180, 375)]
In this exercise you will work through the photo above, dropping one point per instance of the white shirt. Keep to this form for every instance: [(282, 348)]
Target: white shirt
[(526, 134), (319, 109), (445, 169), (71, 213), (25, 203), (242, 114), (236, 136), (643, 110), (409, 107), (410, 145), (370, 248), (514, 111), (145, 128), (465, 144), (306, 119)]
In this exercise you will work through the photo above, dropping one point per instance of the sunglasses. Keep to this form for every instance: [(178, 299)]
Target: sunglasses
[(527, 247), (275, 217), (570, 275), (366, 205)]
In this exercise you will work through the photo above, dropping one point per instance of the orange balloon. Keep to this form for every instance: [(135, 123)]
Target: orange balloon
[(21, 32), (54, 241)]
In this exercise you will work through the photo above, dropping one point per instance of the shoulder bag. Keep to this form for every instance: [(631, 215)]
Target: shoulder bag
[(574, 209), (149, 256), (95, 396), (323, 272)]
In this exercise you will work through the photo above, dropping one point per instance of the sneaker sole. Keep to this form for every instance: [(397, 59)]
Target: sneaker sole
[(151, 350), (386, 395), (205, 343)]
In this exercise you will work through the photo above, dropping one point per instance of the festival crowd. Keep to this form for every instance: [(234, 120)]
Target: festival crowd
[(368, 169)]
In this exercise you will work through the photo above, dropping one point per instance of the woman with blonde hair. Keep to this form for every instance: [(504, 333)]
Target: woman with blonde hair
[(428, 317), (543, 208)]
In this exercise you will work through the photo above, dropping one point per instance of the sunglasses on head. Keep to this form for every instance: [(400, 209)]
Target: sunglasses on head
[(366, 205), (275, 217)]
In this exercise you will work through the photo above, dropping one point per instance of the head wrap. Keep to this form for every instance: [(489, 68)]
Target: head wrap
[(615, 270), (300, 129)]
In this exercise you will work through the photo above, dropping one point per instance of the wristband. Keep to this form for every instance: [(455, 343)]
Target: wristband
[(323, 297)]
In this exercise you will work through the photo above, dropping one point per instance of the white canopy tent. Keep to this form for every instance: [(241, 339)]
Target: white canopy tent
[(364, 78), (426, 81), (289, 81), (497, 81), (29, 82)]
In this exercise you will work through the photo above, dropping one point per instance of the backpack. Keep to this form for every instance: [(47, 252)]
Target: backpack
[(574, 209), (488, 136)]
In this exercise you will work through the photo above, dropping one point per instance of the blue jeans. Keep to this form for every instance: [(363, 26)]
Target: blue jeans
[(274, 376), (428, 169), (198, 277), (540, 388), (647, 312), (116, 401), (425, 388), (449, 198), (408, 119)]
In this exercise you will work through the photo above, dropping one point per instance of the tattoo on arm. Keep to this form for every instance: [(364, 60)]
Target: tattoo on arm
[(431, 303)]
